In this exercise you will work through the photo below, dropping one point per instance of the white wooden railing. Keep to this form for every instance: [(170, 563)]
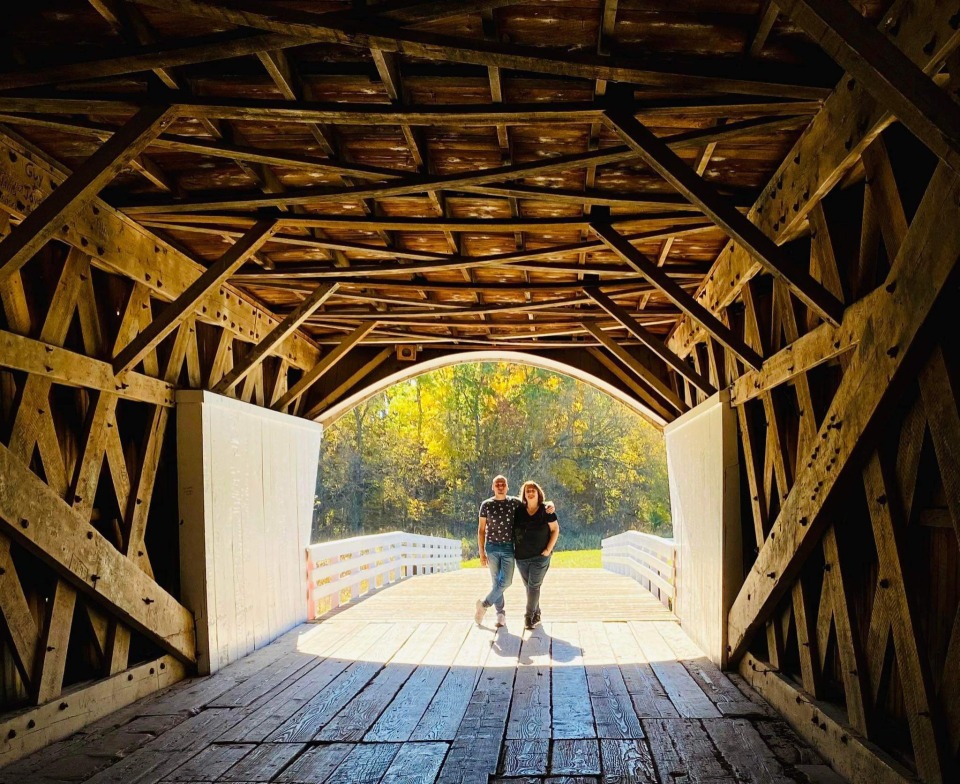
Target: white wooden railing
[(648, 559), (341, 571)]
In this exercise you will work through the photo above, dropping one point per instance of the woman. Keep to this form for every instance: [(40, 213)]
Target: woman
[(535, 532)]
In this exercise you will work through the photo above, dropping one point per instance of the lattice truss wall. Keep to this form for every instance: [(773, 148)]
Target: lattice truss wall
[(81, 463), (88, 557), (848, 617), (263, 241)]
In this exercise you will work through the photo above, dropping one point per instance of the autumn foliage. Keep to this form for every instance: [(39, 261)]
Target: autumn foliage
[(420, 456)]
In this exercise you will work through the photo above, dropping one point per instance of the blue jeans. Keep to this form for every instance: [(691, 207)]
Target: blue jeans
[(532, 571), (500, 561)]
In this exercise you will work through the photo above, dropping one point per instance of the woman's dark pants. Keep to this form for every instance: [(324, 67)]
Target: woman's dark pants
[(532, 571)]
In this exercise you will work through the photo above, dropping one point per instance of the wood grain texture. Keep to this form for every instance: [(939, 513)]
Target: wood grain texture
[(338, 677)]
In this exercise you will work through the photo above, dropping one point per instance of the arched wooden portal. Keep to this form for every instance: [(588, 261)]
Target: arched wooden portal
[(577, 364), (272, 202)]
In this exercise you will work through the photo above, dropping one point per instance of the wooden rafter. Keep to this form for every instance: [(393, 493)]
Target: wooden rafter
[(401, 187), (622, 247), (230, 222), (666, 163), (657, 412), (650, 379), (292, 27), (355, 378), (650, 341), (768, 16)]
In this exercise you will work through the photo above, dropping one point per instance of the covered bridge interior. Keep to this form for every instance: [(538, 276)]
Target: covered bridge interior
[(753, 205)]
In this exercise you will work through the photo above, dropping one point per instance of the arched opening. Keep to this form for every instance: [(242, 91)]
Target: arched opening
[(557, 365), (419, 455)]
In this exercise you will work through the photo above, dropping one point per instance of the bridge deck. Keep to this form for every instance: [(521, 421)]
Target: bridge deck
[(403, 687)]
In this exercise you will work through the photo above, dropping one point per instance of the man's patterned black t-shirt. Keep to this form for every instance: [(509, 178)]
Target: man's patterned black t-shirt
[(499, 516)]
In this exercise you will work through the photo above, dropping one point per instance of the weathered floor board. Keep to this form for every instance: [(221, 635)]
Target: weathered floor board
[(407, 689)]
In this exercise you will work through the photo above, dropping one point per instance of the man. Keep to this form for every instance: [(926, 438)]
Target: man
[(495, 538)]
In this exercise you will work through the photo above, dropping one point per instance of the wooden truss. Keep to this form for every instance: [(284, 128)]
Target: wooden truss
[(270, 207)]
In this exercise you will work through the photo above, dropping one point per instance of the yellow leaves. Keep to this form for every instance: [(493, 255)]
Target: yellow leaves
[(569, 475)]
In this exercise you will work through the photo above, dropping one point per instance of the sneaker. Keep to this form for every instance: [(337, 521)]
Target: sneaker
[(501, 619), (481, 611), (528, 622), (536, 618)]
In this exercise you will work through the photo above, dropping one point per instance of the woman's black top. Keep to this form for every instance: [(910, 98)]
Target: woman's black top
[(531, 533)]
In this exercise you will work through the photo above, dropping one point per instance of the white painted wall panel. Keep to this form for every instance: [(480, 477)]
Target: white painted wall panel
[(247, 478), (703, 467)]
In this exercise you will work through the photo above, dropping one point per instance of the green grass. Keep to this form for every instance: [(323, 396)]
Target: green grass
[(565, 559)]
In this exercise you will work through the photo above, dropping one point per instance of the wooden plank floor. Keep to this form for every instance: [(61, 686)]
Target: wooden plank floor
[(567, 595), (404, 687)]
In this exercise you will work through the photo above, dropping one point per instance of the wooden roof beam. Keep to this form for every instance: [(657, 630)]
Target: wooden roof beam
[(81, 186), (290, 324), (703, 160), (651, 341), (411, 13), (452, 310), (588, 197), (236, 222), (285, 77), (668, 165), (129, 22), (370, 32), (206, 225), (222, 149), (658, 414), (567, 324), (331, 358), (122, 19), (662, 392), (682, 299), (335, 394), (419, 184), (615, 288), (886, 72), (768, 17), (185, 305), (215, 149), (466, 115), (388, 68), (401, 187), (162, 56)]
